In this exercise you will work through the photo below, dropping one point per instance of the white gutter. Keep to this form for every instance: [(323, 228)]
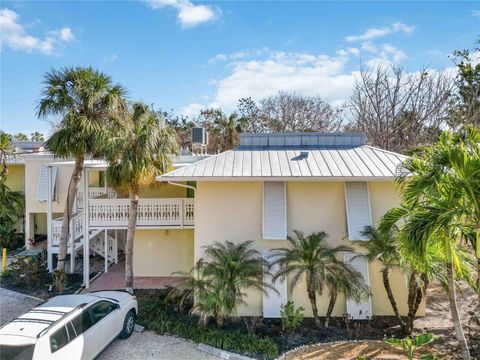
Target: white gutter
[(182, 185)]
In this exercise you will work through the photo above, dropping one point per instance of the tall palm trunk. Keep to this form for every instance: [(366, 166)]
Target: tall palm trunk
[(331, 304), (67, 213), (415, 297), (132, 223), (477, 252), (452, 299), (391, 298), (313, 301)]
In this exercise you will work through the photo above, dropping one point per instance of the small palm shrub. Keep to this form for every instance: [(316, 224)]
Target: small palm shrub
[(217, 285), (310, 258), (291, 318)]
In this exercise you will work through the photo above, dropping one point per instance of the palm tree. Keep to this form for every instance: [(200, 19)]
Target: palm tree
[(381, 247), (342, 278), (310, 257), (86, 100), (219, 282), (141, 149), (440, 191), (5, 150), (11, 210)]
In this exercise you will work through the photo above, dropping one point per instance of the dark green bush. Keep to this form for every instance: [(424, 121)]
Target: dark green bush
[(158, 316)]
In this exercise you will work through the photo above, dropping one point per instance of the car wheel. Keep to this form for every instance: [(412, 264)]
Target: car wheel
[(128, 325)]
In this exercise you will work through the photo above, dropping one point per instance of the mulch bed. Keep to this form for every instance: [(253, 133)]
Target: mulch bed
[(74, 282)]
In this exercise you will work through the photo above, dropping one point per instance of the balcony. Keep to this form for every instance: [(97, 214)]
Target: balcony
[(152, 213)]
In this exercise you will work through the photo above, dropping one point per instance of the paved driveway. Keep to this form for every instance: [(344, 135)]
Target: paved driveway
[(146, 345)]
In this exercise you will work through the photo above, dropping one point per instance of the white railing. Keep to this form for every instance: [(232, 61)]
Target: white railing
[(95, 191), (76, 229), (151, 212)]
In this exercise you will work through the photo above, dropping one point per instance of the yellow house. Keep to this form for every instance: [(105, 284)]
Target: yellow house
[(263, 190), (273, 184)]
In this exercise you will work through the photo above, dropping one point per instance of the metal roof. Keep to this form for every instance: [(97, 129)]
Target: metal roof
[(344, 157)]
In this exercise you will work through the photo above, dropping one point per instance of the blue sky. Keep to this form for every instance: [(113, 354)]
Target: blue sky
[(183, 55)]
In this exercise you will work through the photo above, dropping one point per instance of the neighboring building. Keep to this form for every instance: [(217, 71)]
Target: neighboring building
[(269, 186)]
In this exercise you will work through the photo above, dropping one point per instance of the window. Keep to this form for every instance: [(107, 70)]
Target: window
[(82, 322), (101, 309), (274, 210), (58, 339)]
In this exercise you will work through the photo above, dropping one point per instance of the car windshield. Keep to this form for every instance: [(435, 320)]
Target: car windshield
[(17, 352)]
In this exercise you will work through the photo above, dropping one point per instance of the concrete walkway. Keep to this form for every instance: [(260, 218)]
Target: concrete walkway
[(114, 279)]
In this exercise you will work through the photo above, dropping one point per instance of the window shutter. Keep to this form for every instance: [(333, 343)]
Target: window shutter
[(274, 210), (42, 192), (363, 310), (358, 209), (271, 300)]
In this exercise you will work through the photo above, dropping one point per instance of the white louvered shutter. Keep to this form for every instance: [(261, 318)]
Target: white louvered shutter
[(274, 210), (271, 300), (42, 193), (358, 209), (363, 310)]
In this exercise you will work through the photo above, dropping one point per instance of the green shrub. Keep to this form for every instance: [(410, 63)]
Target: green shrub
[(291, 318), (409, 346), (158, 316), (29, 271)]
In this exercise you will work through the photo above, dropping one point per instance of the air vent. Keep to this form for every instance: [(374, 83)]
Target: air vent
[(304, 154), (199, 136)]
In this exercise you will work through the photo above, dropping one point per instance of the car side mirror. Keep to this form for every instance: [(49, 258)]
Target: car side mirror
[(117, 307)]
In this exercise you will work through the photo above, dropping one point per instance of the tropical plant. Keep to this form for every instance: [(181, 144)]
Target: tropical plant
[(140, 149), (342, 278), (309, 258), (156, 315), (291, 318), (381, 247), (86, 101), (5, 150), (440, 192), (409, 347), (11, 210), (218, 284)]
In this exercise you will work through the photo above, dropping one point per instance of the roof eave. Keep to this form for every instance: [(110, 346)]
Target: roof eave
[(163, 178)]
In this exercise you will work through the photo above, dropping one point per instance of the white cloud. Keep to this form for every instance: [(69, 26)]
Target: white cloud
[(189, 15), (238, 55), (303, 73), (14, 35), (66, 34), (475, 13), (192, 110), (110, 58), (387, 55), (374, 33)]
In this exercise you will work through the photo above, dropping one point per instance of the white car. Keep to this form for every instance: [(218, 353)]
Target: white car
[(69, 327)]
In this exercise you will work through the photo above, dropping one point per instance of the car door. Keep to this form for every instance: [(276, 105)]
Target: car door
[(106, 317), (84, 336)]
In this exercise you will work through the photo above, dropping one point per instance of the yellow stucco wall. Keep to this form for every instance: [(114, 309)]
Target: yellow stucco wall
[(233, 211), (15, 179), (162, 252)]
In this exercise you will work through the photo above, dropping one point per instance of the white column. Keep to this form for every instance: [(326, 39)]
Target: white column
[(86, 242), (116, 246), (105, 247), (49, 219)]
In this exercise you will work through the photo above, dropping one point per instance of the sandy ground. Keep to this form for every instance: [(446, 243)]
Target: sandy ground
[(437, 320)]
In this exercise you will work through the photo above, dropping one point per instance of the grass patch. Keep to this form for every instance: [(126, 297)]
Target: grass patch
[(158, 315)]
